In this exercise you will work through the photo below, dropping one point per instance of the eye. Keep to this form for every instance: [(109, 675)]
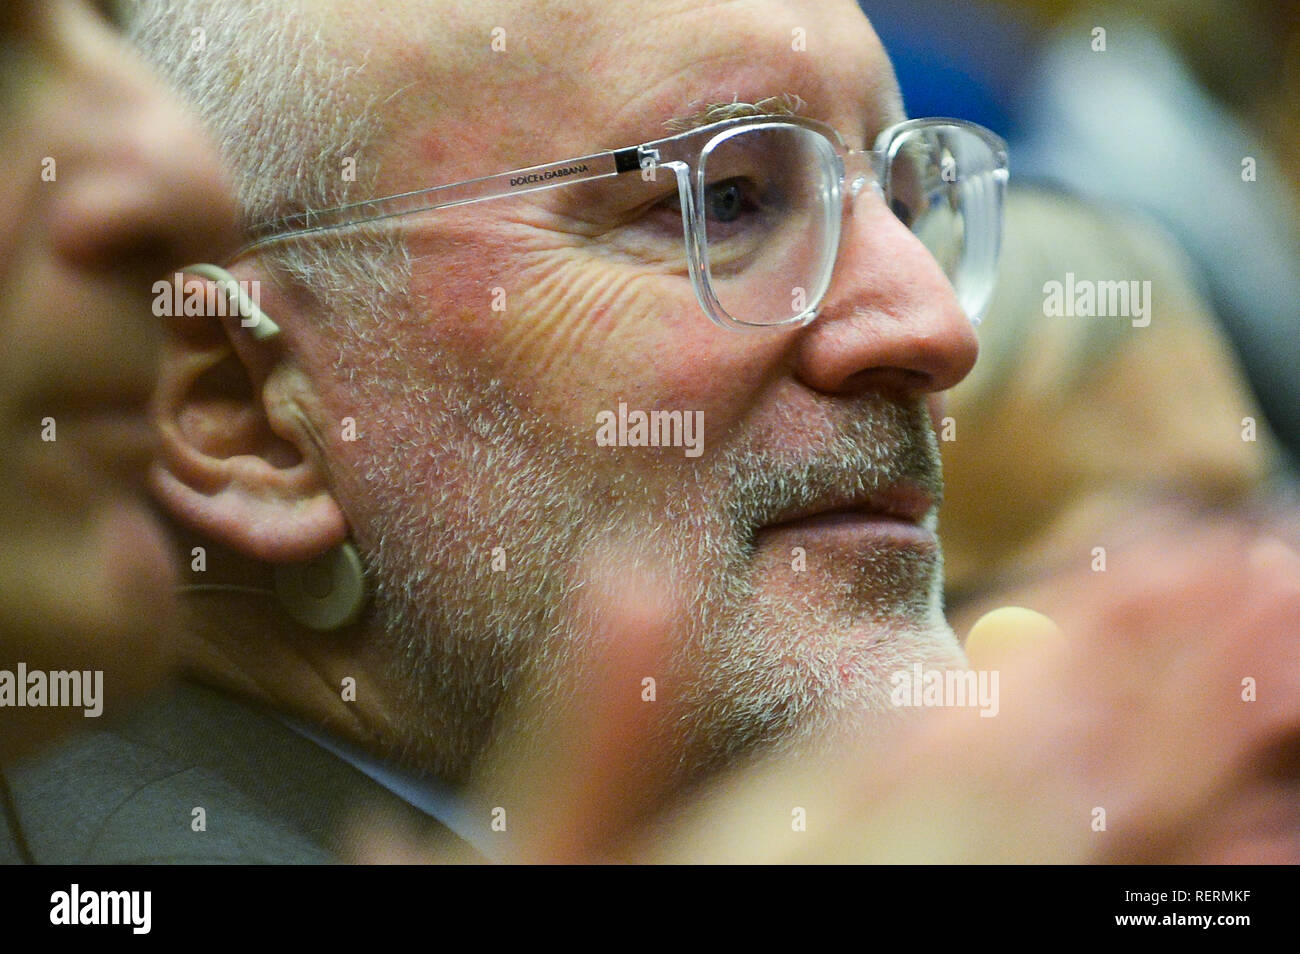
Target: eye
[(723, 201), (728, 200)]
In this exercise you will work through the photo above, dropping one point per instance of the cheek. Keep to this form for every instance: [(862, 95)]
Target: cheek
[(570, 335), (24, 210), (11, 206), (587, 330), (552, 324), (45, 334)]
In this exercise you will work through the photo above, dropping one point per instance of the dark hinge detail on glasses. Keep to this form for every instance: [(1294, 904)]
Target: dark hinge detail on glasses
[(625, 160)]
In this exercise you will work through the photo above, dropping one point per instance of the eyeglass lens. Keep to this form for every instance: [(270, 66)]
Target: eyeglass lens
[(767, 198)]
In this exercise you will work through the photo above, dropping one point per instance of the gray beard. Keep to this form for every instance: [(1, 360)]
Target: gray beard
[(743, 679)]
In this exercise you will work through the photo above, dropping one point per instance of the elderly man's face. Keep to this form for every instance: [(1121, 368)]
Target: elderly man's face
[(798, 543)]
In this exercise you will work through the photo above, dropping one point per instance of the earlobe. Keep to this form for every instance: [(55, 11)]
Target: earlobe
[(223, 469)]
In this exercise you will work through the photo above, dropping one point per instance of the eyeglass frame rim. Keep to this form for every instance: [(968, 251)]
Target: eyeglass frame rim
[(885, 147), (642, 158)]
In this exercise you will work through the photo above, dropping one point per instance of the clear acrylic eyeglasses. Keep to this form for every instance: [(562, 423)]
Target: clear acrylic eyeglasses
[(762, 204)]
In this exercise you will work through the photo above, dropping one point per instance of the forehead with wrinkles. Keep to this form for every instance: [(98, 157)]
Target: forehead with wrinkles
[(577, 77)]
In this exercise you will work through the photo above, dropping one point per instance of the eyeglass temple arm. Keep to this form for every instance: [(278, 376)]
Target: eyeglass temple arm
[(519, 182)]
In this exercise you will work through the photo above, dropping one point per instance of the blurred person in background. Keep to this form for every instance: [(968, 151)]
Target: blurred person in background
[(1184, 112), (108, 187), (1077, 434), (1129, 137)]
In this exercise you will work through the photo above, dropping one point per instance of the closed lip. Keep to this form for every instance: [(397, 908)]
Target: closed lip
[(904, 503)]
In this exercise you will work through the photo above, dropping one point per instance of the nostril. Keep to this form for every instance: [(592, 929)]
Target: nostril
[(896, 382), (138, 221), (142, 253), (107, 224)]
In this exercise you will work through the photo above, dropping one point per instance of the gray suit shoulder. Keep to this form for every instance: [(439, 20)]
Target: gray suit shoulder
[(197, 777)]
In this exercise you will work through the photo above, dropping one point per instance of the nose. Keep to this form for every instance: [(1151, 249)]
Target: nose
[(138, 189), (890, 320)]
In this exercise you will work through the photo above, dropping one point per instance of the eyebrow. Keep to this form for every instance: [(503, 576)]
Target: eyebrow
[(786, 104)]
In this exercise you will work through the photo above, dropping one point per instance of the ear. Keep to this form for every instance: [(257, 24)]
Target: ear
[(239, 460)]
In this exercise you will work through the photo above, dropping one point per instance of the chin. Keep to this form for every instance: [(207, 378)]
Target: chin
[(798, 677)]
